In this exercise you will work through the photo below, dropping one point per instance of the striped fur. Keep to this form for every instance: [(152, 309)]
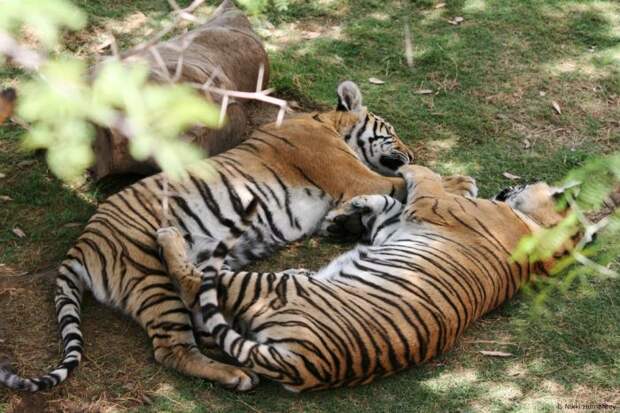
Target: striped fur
[(433, 265), (295, 174)]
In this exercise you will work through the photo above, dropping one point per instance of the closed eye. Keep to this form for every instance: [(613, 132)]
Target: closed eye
[(394, 160)]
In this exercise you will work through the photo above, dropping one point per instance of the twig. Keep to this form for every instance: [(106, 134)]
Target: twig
[(187, 41), (184, 13), (408, 46), (501, 343), (212, 77), (181, 14), (261, 96), (160, 62), (164, 202), (587, 262), (179, 69), (149, 43), (223, 108), (249, 406), (259, 81)]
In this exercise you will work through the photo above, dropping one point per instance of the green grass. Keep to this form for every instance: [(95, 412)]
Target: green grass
[(493, 78)]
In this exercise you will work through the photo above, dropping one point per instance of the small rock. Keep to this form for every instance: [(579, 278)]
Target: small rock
[(72, 225), (28, 162), (495, 353), (511, 176), (18, 232)]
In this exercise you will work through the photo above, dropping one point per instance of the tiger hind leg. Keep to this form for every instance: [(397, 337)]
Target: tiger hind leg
[(179, 351), (190, 361)]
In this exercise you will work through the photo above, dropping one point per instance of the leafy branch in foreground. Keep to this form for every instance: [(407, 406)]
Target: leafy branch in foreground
[(63, 99), (591, 187), (61, 104)]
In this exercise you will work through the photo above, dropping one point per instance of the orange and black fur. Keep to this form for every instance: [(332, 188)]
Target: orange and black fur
[(434, 264), (292, 175)]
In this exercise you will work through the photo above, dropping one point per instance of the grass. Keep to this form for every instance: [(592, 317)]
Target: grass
[(494, 78)]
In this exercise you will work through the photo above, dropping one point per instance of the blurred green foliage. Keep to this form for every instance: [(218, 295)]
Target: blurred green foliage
[(260, 6), (588, 189), (44, 18), (61, 101)]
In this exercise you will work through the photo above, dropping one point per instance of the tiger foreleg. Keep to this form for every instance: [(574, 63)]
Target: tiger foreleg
[(426, 195), (348, 219), (460, 185), (186, 358), (174, 255)]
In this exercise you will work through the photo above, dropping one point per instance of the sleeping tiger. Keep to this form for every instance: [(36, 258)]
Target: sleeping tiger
[(293, 175), (433, 265)]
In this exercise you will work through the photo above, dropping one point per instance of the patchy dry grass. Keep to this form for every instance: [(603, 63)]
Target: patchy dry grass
[(493, 80)]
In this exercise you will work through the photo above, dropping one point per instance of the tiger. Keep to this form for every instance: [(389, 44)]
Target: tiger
[(294, 173), (432, 265)]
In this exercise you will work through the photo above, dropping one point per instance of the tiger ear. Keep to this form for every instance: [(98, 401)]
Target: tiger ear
[(574, 186), (349, 97)]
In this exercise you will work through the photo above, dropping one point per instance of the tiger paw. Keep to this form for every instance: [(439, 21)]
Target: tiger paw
[(242, 380), (460, 185), (416, 172), (346, 220)]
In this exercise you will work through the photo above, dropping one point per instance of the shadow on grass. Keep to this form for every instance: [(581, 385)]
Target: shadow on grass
[(50, 213)]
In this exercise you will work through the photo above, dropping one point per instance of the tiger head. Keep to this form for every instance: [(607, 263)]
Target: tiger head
[(371, 137), (538, 201)]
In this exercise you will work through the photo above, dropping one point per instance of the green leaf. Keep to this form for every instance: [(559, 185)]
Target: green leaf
[(44, 18)]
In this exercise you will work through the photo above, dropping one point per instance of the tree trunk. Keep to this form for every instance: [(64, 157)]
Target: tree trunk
[(227, 42)]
